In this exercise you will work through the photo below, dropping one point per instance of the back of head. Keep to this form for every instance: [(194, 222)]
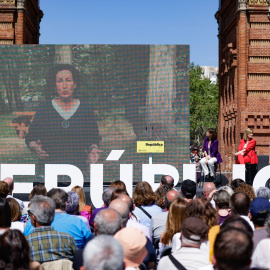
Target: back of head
[(102, 253), (118, 184), (5, 214), (259, 210), (38, 190), (247, 189), (60, 198), (222, 199), (116, 193), (106, 196), (240, 203), (232, 249), (122, 209), (10, 183), (72, 202), (4, 189), (43, 208), (236, 183), (188, 189), (170, 197), (167, 180), (228, 189), (15, 209), (128, 200), (143, 194), (160, 195), (80, 192), (107, 221), (263, 192), (208, 187), (14, 250)]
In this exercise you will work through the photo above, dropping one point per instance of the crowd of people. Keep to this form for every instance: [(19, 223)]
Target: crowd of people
[(225, 228)]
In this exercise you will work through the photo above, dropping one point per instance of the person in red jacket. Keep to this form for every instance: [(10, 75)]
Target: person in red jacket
[(246, 150)]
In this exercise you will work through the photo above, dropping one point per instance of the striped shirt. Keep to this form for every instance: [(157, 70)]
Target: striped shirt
[(46, 244)]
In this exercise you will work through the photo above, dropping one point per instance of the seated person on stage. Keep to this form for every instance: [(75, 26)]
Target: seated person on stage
[(211, 154), (246, 150)]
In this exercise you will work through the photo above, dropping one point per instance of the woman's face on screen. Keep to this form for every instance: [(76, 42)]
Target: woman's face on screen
[(65, 84)]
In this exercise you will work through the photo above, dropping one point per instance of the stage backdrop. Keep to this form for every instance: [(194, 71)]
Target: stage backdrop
[(128, 93)]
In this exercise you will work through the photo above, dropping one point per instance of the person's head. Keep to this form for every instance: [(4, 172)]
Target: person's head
[(14, 250), (72, 202), (116, 193), (42, 211), (133, 242), (194, 232), (63, 81), (60, 198), (176, 215), (222, 199), (15, 209), (10, 183), (122, 209), (143, 194), (170, 197), (208, 187), (248, 134), (202, 208), (106, 196), (107, 221), (167, 180), (160, 195), (263, 192), (259, 210), (80, 192), (103, 252), (5, 214), (228, 189), (118, 184), (38, 190), (211, 134), (236, 183), (128, 200), (188, 189), (4, 189), (247, 189), (232, 250), (238, 223), (240, 203)]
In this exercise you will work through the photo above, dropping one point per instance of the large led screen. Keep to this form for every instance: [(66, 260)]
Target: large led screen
[(74, 104)]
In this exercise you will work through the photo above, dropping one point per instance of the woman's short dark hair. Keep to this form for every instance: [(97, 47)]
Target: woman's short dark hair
[(5, 214), (14, 250), (38, 190), (143, 194), (213, 133), (51, 78), (60, 198), (236, 183), (15, 209)]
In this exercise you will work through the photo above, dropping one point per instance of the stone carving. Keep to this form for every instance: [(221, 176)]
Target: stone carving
[(258, 2), (242, 4), (20, 4), (8, 2)]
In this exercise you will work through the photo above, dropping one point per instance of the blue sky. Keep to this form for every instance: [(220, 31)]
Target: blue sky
[(189, 22)]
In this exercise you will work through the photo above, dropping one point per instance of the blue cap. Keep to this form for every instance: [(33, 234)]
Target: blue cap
[(259, 204)]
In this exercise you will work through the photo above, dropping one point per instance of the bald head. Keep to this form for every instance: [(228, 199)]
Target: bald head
[(10, 183), (170, 197), (128, 200), (208, 188), (122, 209), (167, 180), (107, 221)]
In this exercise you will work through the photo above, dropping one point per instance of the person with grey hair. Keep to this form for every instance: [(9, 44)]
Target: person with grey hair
[(222, 201), (263, 192), (102, 253), (47, 244), (63, 222), (228, 189), (106, 197), (72, 207)]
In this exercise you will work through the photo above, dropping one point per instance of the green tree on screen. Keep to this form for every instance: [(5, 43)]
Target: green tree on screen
[(204, 105)]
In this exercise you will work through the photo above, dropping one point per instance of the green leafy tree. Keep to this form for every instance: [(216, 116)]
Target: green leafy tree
[(204, 105)]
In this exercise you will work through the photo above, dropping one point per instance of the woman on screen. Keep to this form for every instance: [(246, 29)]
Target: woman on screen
[(246, 150), (211, 154), (64, 129)]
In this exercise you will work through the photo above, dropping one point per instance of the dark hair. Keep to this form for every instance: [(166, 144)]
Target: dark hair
[(161, 194), (143, 194), (116, 193), (213, 133), (233, 249), (51, 78), (236, 183), (14, 250), (5, 214), (60, 198), (238, 223), (118, 184), (38, 190), (164, 180), (240, 203), (260, 218), (15, 209)]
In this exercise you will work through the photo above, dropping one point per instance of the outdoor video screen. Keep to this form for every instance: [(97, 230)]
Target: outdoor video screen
[(74, 104)]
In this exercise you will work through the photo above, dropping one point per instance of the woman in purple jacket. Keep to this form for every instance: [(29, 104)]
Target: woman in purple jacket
[(211, 154)]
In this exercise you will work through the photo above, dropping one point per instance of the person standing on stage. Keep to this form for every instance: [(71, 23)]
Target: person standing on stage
[(211, 154), (246, 150)]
